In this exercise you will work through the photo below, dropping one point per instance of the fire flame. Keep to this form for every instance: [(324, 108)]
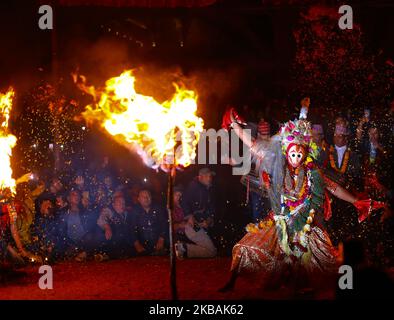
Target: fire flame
[(161, 133), (7, 141)]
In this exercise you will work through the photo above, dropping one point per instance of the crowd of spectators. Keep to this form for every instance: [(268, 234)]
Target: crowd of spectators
[(92, 217)]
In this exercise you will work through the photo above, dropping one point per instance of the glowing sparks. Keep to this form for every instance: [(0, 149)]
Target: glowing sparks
[(162, 133), (7, 142)]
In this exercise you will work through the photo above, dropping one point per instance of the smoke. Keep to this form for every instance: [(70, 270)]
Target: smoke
[(97, 60), (216, 85)]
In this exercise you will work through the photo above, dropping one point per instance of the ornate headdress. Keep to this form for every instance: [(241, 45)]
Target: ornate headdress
[(298, 132)]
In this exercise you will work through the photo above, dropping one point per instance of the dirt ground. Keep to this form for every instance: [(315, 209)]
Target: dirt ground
[(138, 278)]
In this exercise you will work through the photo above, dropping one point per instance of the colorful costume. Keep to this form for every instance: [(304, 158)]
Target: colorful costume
[(292, 236), (292, 233)]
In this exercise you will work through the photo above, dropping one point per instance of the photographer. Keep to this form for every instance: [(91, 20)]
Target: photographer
[(199, 199), (192, 240)]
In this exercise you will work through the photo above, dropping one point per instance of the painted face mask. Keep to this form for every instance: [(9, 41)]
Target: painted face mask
[(295, 155)]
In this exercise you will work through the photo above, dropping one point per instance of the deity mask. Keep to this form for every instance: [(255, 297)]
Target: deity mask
[(295, 155)]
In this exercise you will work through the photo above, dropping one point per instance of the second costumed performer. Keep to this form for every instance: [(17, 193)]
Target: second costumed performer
[(291, 241)]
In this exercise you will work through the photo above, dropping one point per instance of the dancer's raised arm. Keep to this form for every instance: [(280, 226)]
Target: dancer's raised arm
[(231, 119)]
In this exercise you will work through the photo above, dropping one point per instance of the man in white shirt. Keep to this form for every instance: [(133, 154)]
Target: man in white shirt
[(340, 142), (344, 168), (344, 163)]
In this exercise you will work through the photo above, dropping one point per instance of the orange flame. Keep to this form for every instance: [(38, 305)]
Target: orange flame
[(7, 141), (161, 133)]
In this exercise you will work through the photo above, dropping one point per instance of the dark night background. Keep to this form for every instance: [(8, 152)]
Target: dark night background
[(232, 52)]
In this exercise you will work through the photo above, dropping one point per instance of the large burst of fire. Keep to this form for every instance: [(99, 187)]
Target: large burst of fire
[(161, 133), (7, 141)]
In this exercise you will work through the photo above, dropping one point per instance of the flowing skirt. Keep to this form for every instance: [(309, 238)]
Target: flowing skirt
[(260, 252)]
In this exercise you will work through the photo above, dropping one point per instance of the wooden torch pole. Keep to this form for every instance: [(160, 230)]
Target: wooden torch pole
[(170, 208)]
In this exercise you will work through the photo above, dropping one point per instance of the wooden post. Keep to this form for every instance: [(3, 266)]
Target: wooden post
[(170, 208)]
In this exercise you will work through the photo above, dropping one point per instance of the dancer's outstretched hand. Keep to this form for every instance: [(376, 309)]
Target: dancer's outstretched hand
[(366, 206), (231, 116)]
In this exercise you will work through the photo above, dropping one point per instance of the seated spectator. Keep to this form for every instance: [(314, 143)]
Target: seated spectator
[(52, 190), (119, 228), (55, 186), (61, 204), (151, 226), (200, 199), (192, 241), (132, 195), (101, 198), (107, 184), (76, 229), (80, 185), (44, 231)]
